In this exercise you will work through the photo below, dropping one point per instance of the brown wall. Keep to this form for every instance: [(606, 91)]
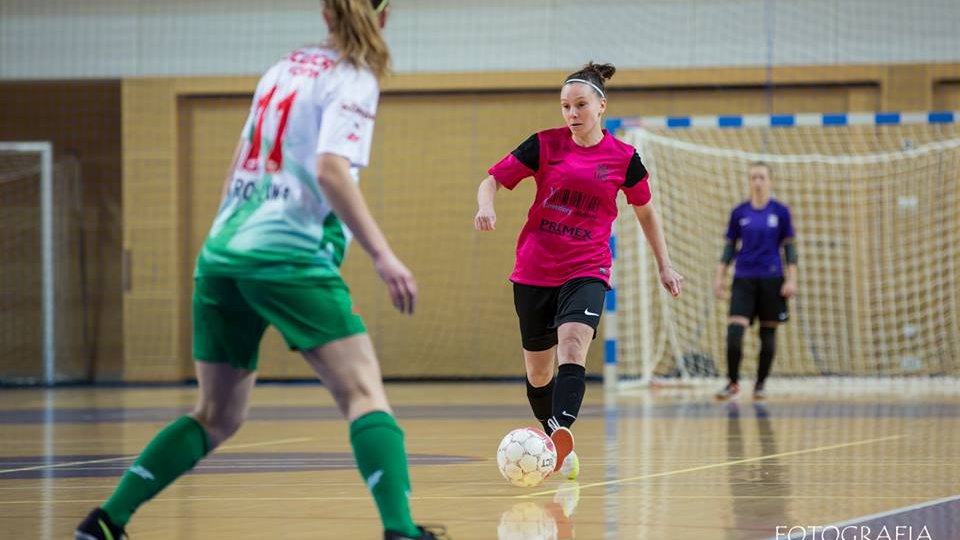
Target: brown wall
[(436, 135), (81, 119), (946, 96)]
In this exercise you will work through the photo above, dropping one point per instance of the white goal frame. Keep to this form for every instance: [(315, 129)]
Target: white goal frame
[(612, 374), (44, 150)]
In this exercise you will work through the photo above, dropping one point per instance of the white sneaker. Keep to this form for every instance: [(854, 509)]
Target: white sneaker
[(568, 496), (571, 466), (730, 392)]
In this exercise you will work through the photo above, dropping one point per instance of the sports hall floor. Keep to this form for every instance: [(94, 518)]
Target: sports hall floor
[(655, 465)]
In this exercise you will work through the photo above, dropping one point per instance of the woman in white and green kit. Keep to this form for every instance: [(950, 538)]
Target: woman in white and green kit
[(273, 257)]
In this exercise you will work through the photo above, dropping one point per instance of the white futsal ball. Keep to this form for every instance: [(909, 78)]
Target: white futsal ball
[(526, 457), (527, 521)]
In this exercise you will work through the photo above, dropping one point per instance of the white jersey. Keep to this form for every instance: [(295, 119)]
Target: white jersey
[(274, 221)]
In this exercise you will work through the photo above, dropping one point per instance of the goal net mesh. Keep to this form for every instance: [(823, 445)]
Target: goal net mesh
[(875, 209)]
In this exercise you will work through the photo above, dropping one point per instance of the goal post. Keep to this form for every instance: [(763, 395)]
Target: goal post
[(42, 151), (875, 199)]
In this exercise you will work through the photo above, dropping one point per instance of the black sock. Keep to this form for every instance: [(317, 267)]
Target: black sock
[(571, 384), (734, 351), (541, 401), (768, 348)]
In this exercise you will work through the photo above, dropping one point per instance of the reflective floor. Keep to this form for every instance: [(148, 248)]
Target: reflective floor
[(653, 466)]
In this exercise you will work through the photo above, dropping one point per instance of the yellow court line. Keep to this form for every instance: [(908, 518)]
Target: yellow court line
[(262, 499), (266, 443), (716, 465), (920, 498), (121, 458)]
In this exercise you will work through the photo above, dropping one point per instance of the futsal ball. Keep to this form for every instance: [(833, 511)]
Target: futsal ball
[(526, 457), (527, 521)]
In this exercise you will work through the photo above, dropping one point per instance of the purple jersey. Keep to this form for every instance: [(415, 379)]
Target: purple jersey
[(761, 232)]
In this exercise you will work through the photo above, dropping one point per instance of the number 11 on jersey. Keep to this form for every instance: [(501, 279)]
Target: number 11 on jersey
[(275, 158)]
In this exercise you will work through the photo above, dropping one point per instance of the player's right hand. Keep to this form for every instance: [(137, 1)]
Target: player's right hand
[(486, 219), (718, 288), (399, 280)]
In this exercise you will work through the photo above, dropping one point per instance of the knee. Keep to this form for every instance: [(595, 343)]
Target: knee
[(768, 338), (540, 377), (735, 336), (350, 390), (220, 423), (356, 397), (573, 349)]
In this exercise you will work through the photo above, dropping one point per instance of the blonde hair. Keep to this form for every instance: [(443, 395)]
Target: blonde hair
[(355, 31)]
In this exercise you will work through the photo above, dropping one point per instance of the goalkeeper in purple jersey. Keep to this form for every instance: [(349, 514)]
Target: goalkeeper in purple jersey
[(762, 279)]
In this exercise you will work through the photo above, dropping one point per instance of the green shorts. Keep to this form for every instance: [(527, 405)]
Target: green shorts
[(230, 316)]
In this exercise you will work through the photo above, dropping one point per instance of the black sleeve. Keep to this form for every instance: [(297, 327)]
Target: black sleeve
[(636, 172), (528, 152)]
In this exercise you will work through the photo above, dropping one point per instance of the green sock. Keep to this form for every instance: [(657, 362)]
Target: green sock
[(378, 447), (174, 451)]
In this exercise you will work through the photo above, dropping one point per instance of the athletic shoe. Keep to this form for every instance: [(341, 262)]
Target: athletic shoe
[(571, 467), (730, 392), (563, 440), (428, 532), (98, 526), (759, 392), (568, 497)]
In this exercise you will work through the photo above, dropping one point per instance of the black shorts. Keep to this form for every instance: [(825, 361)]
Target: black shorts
[(542, 310), (759, 298)]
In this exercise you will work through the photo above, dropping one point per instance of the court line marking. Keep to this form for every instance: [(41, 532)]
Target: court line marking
[(888, 513), (717, 465), (447, 498), (121, 458)]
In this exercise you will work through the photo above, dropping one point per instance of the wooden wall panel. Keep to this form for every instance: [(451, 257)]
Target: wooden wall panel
[(82, 120), (422, 191), (151, 236), (431, 148), (946, 95), (907, 88)]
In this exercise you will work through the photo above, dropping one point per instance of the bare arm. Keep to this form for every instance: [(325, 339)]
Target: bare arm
[(789, 287), (486, 218), (720, 279), (333, 175), (650, 223), (790, 284)]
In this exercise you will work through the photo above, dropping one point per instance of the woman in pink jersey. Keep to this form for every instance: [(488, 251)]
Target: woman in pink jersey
[(563, 262)]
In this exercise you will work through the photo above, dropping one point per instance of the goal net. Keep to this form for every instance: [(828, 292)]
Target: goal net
[(42, 297), (875, 204)]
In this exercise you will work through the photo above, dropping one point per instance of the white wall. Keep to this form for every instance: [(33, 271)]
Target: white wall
[(115, 38)]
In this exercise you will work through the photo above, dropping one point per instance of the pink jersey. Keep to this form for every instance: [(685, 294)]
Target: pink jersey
[(567, 234)]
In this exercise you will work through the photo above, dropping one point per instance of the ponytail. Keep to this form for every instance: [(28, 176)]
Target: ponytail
[(355, 30)]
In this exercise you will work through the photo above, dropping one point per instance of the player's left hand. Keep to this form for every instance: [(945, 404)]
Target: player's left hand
[(399, 280), (672, 280), (788, 289)]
